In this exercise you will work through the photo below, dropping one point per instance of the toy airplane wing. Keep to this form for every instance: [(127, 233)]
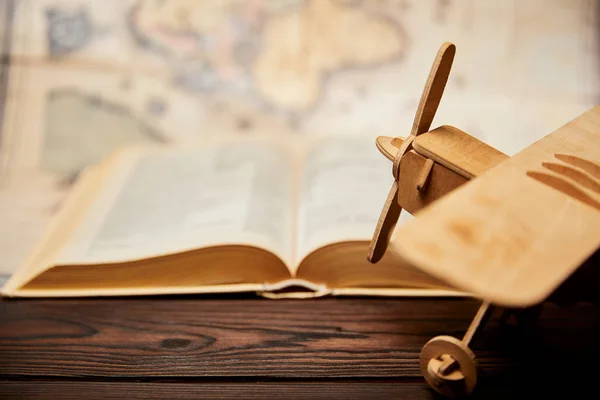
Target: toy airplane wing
[(515, 232)]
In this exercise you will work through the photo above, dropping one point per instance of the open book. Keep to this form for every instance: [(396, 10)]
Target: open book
[(284, 218)]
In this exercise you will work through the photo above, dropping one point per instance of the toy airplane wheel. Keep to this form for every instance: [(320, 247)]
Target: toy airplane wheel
[(449, 366)]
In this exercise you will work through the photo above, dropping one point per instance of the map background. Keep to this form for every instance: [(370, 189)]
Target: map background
[(87, 76)]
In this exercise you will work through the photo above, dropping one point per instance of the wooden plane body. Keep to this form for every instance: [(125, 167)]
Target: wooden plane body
[(441, 160), (512, 231)]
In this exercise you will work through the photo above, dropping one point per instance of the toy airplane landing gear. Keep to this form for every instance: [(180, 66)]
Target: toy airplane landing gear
[(448, 364)]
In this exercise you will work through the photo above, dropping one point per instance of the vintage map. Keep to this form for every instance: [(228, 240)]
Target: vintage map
[(86, 76)]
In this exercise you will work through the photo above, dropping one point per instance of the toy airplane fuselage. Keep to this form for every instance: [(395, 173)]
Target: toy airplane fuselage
[(445, 156)]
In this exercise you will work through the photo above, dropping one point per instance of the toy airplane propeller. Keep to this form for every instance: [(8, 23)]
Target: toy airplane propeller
[(508, 230)]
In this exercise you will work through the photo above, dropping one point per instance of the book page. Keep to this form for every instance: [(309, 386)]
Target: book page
[(343, 188), (167, 202)]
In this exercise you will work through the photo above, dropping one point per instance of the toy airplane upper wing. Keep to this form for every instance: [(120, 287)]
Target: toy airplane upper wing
[(515, 232)]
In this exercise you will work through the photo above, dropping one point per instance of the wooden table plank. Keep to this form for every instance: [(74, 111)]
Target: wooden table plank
[(398, 389), (156, 337), (185, 338)]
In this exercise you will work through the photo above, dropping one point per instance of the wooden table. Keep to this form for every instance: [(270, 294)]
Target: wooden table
[(241, 346)]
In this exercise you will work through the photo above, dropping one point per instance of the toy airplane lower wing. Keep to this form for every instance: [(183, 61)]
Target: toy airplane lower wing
[(514, 233)]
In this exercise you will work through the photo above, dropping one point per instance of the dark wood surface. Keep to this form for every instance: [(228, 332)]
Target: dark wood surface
[(221, 347)]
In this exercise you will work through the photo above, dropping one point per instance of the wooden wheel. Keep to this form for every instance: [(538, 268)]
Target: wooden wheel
[(449, 366)]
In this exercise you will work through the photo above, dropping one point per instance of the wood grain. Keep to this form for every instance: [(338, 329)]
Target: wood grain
[(136, 338), (397, 389), (326, 338)]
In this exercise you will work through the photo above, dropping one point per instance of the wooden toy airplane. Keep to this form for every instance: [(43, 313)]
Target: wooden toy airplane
[(512, 231)]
